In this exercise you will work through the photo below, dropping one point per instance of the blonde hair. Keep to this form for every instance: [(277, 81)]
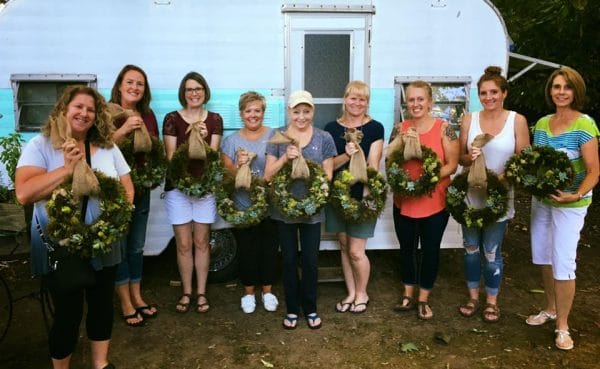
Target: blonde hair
[(421, 84), (356, 87)]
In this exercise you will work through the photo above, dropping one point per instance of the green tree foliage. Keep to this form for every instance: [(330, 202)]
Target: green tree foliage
[(565, 32)]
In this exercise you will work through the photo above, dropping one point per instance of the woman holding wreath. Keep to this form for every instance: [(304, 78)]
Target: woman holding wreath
[(191, 217), (132, 92), (556, 221), (423, 219), (257, 243), (317, 147), (46, 162), (353, 237), (510, 135)]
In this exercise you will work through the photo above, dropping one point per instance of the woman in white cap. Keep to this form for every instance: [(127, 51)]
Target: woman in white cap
[(317, 146)]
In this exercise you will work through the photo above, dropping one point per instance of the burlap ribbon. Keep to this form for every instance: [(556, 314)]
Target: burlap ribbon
[(412, 145), (141, 138), (396, 142), (477, 177), (197, 146), (243, 177), (84, 182), (299, 167), (358, 163)]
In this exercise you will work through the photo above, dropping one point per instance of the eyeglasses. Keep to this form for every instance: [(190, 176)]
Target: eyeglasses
[(196, 90)]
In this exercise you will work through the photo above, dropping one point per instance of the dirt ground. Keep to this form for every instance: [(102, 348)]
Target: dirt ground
[(380, 338)]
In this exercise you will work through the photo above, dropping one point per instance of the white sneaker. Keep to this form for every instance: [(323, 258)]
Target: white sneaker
[(248, 304), (269, 301)]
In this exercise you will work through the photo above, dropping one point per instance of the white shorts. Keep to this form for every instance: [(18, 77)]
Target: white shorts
[(182, 209), (555, 233)]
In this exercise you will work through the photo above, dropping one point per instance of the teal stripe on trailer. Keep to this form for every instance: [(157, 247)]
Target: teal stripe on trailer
[(7, 121)]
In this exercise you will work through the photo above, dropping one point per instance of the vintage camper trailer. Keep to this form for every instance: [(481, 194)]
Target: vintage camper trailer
[(270, 46)]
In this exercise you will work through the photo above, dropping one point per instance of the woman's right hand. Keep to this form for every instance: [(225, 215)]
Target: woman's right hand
[(292, 152), (132, 123), (241, 157), (72, 155), (475, 152), (351, 148)]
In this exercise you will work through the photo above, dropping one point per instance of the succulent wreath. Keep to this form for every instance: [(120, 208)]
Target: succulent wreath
[(250, 216), (306, 206), (357, 211), (401, 183), (496, 203), (539, 170), (89, 240), (149, 172), (193, 186)]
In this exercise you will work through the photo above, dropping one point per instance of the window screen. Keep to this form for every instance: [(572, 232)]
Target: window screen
[(326, 64)]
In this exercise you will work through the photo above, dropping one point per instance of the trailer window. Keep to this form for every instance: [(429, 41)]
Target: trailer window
[(35, 95), (450, 97)]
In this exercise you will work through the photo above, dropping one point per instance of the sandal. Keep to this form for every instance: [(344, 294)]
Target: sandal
[(469, 309), (406, 303), (361, 305), (134, 315), (563, 340), (311, 319), (202, 307), (291, 320), (540, 318), (422, 310), (183, 307), (342, 307), (147, 311), (491, 313)]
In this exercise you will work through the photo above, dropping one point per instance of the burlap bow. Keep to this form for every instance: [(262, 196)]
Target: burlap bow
[(197, 146), (396, 142), (412, 145), (84, 182), (243, 177), (477, 177), (141, 138), (299, 167), (358, 163)]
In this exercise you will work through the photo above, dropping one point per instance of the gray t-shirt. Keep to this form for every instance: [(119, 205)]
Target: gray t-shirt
[(39, 153), (319, 148)]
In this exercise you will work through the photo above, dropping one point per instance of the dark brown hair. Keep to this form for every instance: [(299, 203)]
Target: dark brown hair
[(493, 73), (143, 106), (198, 78), (574, 81)]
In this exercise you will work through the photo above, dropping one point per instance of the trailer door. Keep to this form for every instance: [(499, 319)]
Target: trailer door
[(325, 48)]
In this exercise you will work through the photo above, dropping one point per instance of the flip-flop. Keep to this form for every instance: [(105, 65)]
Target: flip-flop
[(183, 307), (401, 306), (134, 315), (311, 319), (142, 311), (342, 307), (361, 304), (203, 307), (292, 321), (422, 310)]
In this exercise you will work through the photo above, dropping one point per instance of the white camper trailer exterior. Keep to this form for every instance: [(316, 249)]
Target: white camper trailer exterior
[(264, 45)]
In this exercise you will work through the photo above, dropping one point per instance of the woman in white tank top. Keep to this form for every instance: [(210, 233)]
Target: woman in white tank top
[(511, 135)]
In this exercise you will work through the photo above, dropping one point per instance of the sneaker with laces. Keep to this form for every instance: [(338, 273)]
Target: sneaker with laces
[(269, 301), (540, 318), (563, 340), (248, 304)]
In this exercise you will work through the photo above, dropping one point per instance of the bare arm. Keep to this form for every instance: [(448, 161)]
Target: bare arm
[(589, 153), (170, 146), (229, 164), (328, 168), (273, 165), (521, 133), (451, 150), (128, 185), (215, 142), (375, 152), (130, 124), (465, 155)]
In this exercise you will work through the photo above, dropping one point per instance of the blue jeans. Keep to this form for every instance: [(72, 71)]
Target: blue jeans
[(130, 269), (428, 232), (489, 240), (300, 293)]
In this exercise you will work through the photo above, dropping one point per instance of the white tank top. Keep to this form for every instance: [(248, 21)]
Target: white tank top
[(497, 152)]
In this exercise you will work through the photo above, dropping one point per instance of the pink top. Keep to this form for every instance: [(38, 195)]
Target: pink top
[(421, 207)]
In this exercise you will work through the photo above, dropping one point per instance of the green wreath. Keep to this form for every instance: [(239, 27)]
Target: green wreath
[(358, 211), (299, 208), (250, 216), (496, 203), (89, 240), (151, 173), (540, 170), (399, 180), (193, 186)]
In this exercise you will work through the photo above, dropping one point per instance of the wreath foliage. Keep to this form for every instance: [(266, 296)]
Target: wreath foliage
[(401, 183), (89, 240), (540, 170), (151, 173), (299, 208), (496, 203), (250, 216), (357, 211), (190, 185)]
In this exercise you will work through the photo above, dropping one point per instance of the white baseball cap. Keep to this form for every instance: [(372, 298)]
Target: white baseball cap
[(300, 97)]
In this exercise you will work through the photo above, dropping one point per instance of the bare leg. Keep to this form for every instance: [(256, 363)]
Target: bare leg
[(201, 260), (127, 307), (61, 363), (347, 270), (361, 268), (424, 297), (565, 293), (185, 259), (548, 280), (99, 353)]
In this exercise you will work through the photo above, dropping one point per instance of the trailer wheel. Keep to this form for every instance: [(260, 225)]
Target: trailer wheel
[(223, 256)]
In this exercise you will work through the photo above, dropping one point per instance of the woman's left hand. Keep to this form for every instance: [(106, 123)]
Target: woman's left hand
[(564, 197)]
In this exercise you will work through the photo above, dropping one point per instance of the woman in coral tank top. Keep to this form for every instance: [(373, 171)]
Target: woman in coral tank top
[(423, 219)]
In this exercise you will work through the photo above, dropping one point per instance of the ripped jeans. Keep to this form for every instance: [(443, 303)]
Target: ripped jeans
[(489, 240)]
